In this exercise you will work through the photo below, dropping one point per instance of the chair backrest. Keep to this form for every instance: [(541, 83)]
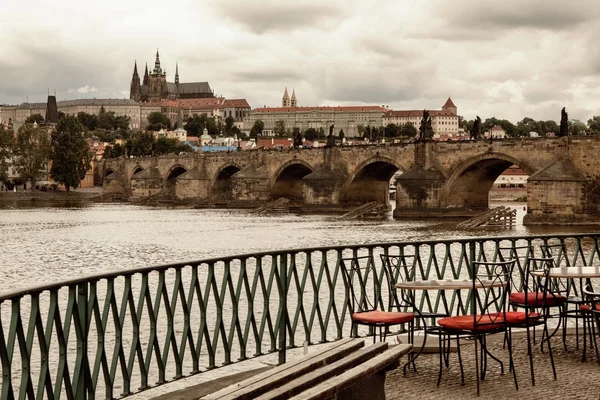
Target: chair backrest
[(363, 283), (557, 251), (520, 254), (491, 286), (538, 279), (399, 268), (593, 301)]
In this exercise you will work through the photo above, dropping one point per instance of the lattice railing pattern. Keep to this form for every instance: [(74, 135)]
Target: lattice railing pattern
[(120, 333)]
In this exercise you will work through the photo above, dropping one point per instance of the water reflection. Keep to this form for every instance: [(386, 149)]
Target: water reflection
[(44, 243)]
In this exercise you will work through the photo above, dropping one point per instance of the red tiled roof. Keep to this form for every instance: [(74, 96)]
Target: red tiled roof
[(237, 103), (418, 113), (209, 103), (325, 108), (449, 103), (162, 103), (268, 143)]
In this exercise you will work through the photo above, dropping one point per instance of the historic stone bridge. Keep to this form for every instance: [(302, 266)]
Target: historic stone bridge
[(438, 178)]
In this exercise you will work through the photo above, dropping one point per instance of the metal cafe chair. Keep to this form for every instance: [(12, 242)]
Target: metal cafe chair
[(558, 252), (536, 300), (400, 270), (592, 308), (488, 298), (364, 283)]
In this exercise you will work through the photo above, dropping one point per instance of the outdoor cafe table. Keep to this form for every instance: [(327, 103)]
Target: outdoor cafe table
[(580, 273)]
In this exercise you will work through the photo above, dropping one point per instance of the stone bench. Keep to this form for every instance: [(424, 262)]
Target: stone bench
[(348, 370)]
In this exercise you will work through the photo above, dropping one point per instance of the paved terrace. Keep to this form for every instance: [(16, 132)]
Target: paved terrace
[(576, 379)]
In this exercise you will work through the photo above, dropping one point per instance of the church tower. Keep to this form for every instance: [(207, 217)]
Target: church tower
[(285, 101), (135, 90), (449, 106), (157, 82), (294, 101)]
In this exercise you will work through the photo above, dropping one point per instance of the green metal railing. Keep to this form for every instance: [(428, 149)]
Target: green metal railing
[(118, 333)]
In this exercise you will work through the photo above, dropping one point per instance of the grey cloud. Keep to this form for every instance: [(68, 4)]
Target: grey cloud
[(279, 15), (539, 14), (268, 75)]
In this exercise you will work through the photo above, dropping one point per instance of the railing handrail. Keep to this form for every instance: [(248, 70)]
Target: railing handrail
[(163, 267)]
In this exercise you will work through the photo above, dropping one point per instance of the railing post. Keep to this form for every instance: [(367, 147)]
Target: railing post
[(82, 346), (283, 307)]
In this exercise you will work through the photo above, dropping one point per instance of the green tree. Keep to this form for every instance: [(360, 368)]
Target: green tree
[(34, 118), (311, 134), (118, 150), (142, 145), (71, 154), (122, 122), (279, 129), (360, 129), (391, 130), (106, 120), (407, 130), (6, 147), (229, 125), (341, 135), (89, 121), (195, 126), (31, 151), (594, 125), (158, 121), (526, 126), (108, 152), (166, 145), (577, 128), (257, 129)]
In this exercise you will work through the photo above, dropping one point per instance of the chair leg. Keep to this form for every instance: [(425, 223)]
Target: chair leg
[(510, 355), (530, 355), (441, 350), (593, 334), (550, 352), (476, 363), (584, 356), (564, 320), (462, 371)]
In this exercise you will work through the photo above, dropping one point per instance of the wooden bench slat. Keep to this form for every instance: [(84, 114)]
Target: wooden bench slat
[(313, 378), (261, 383), (350, 377)]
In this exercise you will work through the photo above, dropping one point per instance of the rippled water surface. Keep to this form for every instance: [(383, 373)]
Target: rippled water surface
[(45, 244)]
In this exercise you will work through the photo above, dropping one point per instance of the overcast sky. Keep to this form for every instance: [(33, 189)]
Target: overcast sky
[(508, 58)]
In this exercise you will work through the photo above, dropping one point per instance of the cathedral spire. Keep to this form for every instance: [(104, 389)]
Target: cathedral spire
[(146, 75), (135, 72), (177, 73), (294, 101), (285, 100), (157, 70)]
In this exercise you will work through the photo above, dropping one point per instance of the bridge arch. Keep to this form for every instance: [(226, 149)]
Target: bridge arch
[(174, 172), (109, 172), (370, 180), (287, 181), (222, 185), (469, 183), (138, 168)]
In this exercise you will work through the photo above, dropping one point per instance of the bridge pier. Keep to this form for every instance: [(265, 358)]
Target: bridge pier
[(251, 184), (559, 194), (323, 190), (192, 185), (419, 193), (146, 183)]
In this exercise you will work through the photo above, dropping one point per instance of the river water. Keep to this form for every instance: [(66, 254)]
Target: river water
[(46, 243), (42, 244)]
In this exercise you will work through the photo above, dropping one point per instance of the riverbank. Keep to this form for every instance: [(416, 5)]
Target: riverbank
[(82, 195)]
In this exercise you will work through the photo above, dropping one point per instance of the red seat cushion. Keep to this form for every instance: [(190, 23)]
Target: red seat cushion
[(585, 307), (485, 322), (383, 317), (519, 317), (536, 299)]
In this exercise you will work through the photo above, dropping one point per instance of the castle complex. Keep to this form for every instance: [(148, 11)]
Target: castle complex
[(155, 87)]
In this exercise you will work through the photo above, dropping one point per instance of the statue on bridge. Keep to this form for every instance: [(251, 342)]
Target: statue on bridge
[(330, 137), (425, 129), (298, 140), (564, 123), (475, 131)]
